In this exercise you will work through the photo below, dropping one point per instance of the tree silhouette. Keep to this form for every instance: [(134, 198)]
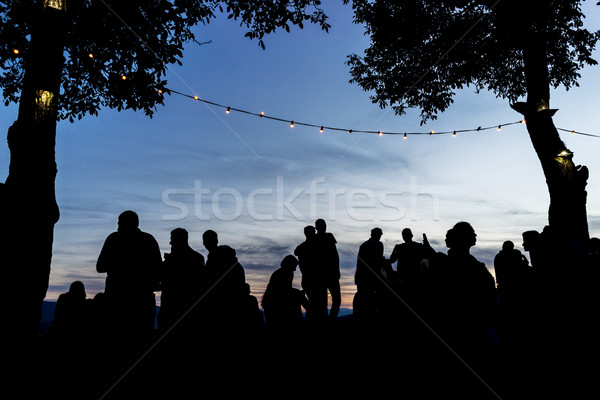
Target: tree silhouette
[(63, 59), (422, 52)]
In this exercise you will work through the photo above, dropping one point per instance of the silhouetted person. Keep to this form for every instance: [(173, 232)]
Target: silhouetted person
[(464, 294), (222, 265), (180, 277), (131, 259), (72, 314), (511, 267), (328, 261), (409, 256), (369, 277), (225, 288), (281, 302), (513, 278), (461, 311), (313, 278), (252, 317)]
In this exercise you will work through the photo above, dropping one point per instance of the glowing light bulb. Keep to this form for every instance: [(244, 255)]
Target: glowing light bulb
[(228, 110), (380, 133), (573, 132), (124, 77), (262, 113), (454, 134), (291, 124), (160, 91), (404, 136), (523, 121), (499, 127), (90, 55), (16, 51), (431, 132), (564, 153), (195, 97), (349, 130), (321, 130)]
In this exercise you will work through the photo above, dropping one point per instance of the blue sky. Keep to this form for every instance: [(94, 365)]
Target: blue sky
[(259, 182)]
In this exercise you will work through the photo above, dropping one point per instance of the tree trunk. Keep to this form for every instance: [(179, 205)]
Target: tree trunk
[(566, 182), (28, 195)]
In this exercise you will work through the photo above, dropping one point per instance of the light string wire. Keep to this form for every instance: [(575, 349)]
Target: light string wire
[(323, 128)]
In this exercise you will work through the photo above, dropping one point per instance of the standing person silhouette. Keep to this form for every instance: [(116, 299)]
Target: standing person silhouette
[(313, 281), (328, 262), (369, 277), (410, 271), (225, 288), (131, 259), (463, 306), (222, 266), (465, 291), (409, 256), (513, 279), (180, 277)]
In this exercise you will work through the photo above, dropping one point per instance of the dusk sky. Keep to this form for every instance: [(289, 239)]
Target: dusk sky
[(258, 182)]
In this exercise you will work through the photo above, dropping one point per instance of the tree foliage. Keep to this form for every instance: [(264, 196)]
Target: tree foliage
[(137, 39), (423, 51)]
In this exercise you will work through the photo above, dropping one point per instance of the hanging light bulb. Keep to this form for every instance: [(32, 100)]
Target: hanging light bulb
[(380, 133), (349, 130), (499, 128), (16, 51), (228, 110), (404, 136), (321, 130), (454, 134), (431, 132), (291, 124), (124, 77), (262, 113), (565, 153), (90, 55), (195, 97), (523, 121)]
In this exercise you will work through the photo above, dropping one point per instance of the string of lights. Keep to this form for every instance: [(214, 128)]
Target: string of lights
[(323, 128)]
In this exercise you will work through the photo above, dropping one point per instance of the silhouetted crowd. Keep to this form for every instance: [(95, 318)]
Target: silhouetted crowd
[(440, 313)]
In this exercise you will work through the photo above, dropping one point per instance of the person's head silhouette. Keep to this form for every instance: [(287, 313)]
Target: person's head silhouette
[(309, 231), (210, 240), (179, 238), (508, 246), (128, 221), (407, 235), (77, 290), (289, 262), (530, 239), (461, 237), (320, 225), (376, 233)]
